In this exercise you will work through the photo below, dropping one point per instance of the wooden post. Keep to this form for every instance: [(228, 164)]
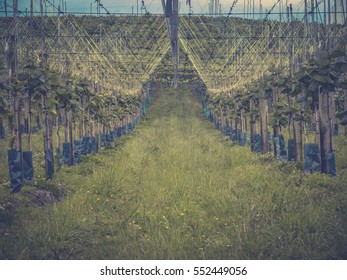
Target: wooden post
[(66, 117), (243, 120), (325, 134), (58, 126), (252, 125), (276, 127), (45, 121), (70, 137), (28, 118), (332, 117), (264, 125), (18, 110), (13, 63), (297, 135)]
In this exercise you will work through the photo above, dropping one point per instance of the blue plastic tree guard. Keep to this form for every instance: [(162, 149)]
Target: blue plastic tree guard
[(148, 97), (28, 169), (269, 141), (280, 148), (283, 151), (67, 153), (85, 145), (243, 139), (115, 134), (226, 130), (49, 164), (331, 164), (93, 145), (77, 151), (257, 143), (102, 139), (312, 126), (312, 161), (233, 135), (276, 141), (15, 170), (119, 132), (124, 130), (107, 140), (2, 132), (291, 150)]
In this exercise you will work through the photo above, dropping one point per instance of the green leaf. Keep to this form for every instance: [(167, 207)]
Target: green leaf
[(313, 87), (60, 91), (321, 78), (293, 110), (54, 82), (281, 81), (297, 117), (340, 115), (323, 55), (337, 53), (37, 73), (322, 62), (23, 76), (53, 112), (301, 74), (42, 79), (281, 104), (33, 82), (42, 89), (324, 70), (53, 101), (337, 67)]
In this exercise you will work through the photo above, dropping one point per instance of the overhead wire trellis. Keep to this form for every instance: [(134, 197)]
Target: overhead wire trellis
[(228, 51), (234, 50), (115, 53)]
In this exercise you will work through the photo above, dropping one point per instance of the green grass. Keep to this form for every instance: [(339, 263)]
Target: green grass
[(178, 189)]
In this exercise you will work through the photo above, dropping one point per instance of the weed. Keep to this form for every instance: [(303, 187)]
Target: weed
[(177, 189)]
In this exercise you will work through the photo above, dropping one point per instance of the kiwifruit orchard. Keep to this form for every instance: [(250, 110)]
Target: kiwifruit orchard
[(177, 135)]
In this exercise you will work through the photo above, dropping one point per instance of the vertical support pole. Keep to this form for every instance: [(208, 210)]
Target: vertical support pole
[(5, 4), (329, 27), (264, 124), (13, 73), (306, 31), (171, 13), (324, 129), (174, 38)]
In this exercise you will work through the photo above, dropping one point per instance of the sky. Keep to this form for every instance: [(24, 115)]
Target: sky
[(153, 6)]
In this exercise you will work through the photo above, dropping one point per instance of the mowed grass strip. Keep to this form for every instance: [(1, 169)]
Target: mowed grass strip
[(178, 189)]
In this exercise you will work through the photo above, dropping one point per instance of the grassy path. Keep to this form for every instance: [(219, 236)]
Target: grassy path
[(177, 189)]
